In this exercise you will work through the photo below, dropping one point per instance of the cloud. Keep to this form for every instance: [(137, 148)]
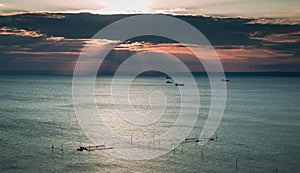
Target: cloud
[(41, 53), (225, 51), (55, 38), (248, 52), (40, 5), (292, 37), (234, 57), (231, 8), (19, 32), (33, 41), (276, 21)]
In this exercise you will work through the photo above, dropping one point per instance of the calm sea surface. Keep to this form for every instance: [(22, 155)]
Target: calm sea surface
[(260, 128)]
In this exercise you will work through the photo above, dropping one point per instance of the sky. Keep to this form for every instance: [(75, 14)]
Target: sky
[(265, 39), (245, 8)]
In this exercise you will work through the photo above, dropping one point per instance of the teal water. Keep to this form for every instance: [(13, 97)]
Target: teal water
[(260, 127)]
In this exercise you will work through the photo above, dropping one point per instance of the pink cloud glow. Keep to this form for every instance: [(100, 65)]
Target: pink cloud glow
[(233, 52), (19, 32), (293, 37)]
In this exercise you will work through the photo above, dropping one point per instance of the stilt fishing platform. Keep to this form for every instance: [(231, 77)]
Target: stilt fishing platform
[(94, 147), (187, 140)]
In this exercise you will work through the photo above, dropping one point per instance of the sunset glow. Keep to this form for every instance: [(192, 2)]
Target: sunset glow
[(150, 86), (120, 6), (245, 8), (247, 35)]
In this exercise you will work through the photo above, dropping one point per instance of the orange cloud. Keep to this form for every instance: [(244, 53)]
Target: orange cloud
[(42, 53), (232, 52), (281, 21), (245, 52), (55, 38), (292, 37), (19, 32)]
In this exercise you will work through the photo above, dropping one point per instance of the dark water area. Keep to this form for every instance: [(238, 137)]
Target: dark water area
[(259, 130)]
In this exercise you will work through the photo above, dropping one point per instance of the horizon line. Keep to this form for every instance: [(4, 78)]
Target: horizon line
[(229, 73)]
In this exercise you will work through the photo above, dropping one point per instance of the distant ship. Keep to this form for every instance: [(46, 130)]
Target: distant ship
[(225, 80), (169, 81), (168, 77), (179, 84)]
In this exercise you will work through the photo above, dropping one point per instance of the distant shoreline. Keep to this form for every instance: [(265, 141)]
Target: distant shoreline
[(49, 73)]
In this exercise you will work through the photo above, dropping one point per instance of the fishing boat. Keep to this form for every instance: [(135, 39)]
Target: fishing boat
[(225, 80), (179, 84)]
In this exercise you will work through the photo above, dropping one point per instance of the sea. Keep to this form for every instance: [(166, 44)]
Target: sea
[(259, 131)]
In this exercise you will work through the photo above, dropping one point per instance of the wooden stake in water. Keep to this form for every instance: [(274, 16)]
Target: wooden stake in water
[(131, 139), (62, 149), (236, 163), (52, 147)]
